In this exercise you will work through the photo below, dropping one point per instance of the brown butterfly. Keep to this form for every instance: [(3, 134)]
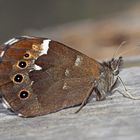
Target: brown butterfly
[(39, 76)]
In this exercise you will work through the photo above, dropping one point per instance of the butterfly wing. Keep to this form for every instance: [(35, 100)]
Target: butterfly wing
[(57, 76)]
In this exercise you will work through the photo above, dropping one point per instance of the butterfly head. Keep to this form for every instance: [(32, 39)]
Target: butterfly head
[(114, 65)]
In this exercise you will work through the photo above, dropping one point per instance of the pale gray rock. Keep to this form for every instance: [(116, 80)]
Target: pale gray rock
[(116, 118)]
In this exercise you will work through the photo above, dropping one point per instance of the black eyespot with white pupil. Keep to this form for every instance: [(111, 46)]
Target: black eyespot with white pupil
[(24, 94), (26, 55), (18, 78), (22, 64)]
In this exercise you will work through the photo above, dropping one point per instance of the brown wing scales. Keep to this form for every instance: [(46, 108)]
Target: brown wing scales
[(64, 80)]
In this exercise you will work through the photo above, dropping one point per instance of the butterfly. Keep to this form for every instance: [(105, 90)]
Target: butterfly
[(39, 76)]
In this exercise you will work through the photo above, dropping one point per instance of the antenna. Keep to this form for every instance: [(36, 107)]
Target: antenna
[(137, 47), (121, 45)]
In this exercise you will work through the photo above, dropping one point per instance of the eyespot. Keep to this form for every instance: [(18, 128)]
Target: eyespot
[(24, 94), (18, 78), (22, 64), (27, 55)]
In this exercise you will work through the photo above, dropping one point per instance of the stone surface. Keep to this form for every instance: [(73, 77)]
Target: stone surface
[(116, 118)]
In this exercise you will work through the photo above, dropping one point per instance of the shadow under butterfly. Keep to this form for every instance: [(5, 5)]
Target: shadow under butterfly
[(39, 76)]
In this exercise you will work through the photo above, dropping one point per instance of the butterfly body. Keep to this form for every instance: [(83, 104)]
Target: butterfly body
[(39, 76)]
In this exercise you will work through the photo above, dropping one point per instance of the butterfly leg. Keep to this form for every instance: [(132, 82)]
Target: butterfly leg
[(87, 97), (113, 86), (100, 95)]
